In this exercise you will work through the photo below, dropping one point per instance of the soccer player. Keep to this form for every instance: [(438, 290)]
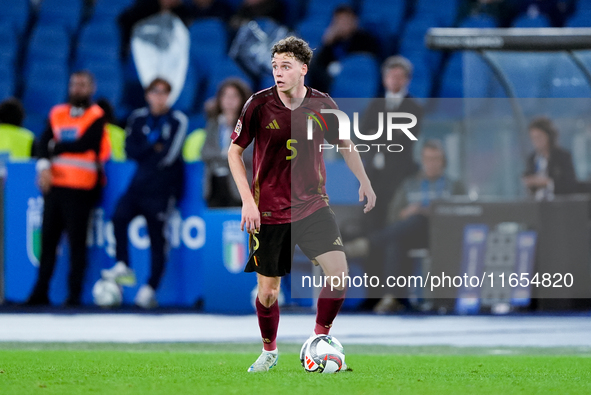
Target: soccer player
[(288, 203)]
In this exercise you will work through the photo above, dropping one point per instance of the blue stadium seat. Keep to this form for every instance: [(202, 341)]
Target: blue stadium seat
[(36, 123), (67, 13), (225, 68), (98, 41), (6, 80), (479, 21), (466, 75), (444, 12), (452, 80), (186, 101), (109, 10), (266, 82), (422, 80), (196, 121), (209, 43), (48, 43), (46, 86), (412, 42), (8, 43), (526, 21), (413, 36), (359, 77), (109, 79), (383, 20), (16, 13), (311, 30), (581, 18)]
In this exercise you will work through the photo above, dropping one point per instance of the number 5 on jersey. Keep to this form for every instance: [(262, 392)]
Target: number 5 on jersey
[(294, 151)]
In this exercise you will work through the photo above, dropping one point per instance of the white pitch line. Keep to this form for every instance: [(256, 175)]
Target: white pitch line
[(351, 329)]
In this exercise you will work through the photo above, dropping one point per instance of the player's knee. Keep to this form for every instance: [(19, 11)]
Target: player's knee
[(268, 295)]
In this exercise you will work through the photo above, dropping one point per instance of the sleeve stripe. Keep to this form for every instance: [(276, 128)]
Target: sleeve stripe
[(179, 138), (140, 112)]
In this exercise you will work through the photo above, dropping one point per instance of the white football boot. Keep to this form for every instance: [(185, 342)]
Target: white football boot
[(146, 297), (264, 362), (120, 273)]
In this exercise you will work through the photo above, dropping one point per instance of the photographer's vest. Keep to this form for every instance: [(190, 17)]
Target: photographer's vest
[(74, 170)]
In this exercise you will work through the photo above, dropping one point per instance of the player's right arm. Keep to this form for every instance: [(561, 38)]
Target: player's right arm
[(251, 216)]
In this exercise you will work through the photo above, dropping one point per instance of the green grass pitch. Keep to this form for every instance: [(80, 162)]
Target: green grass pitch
[(50, 368)]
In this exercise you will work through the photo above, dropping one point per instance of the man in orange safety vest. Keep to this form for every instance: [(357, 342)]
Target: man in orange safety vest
[(72, 151)]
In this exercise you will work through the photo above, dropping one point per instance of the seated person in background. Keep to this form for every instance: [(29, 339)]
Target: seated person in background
[(253, 9), (408, 218), (549, 169), (209, 9), (14, 139), (341, 38), (222, 115), (142, 9)]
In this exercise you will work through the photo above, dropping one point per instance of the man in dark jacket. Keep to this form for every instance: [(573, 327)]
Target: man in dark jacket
[(155, 137), (341, 38), (386, 170), (549, 169)]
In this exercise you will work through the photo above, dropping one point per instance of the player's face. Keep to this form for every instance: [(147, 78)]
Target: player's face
[(433, 163), (157, 98), (395, 79), (288, 72), (539, 140)]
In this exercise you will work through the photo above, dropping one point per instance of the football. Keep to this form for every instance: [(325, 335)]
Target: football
[(106, 293), (322, 354)]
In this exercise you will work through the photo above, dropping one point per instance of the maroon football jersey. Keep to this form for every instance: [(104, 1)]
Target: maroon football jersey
[(288, 184)]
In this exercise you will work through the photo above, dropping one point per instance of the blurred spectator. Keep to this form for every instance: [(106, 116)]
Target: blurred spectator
[(387, 170), (155, 137), (14, 139), (408, 218), (209, 9), (69, 174), (220, 189), (341, 38), (142, 9), (549, 169), (116, 134), (253, 9)]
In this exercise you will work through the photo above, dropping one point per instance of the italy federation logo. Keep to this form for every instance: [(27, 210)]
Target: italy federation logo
[(234, 248), (34, 222)]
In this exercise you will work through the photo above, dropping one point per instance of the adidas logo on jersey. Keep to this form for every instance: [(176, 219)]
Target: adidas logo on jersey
[(273, 125), (338, 242)]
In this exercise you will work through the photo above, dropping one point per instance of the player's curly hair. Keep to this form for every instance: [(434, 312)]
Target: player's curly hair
[(296, 46)]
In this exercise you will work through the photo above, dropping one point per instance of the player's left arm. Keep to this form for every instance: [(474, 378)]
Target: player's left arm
[(354, 163)]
